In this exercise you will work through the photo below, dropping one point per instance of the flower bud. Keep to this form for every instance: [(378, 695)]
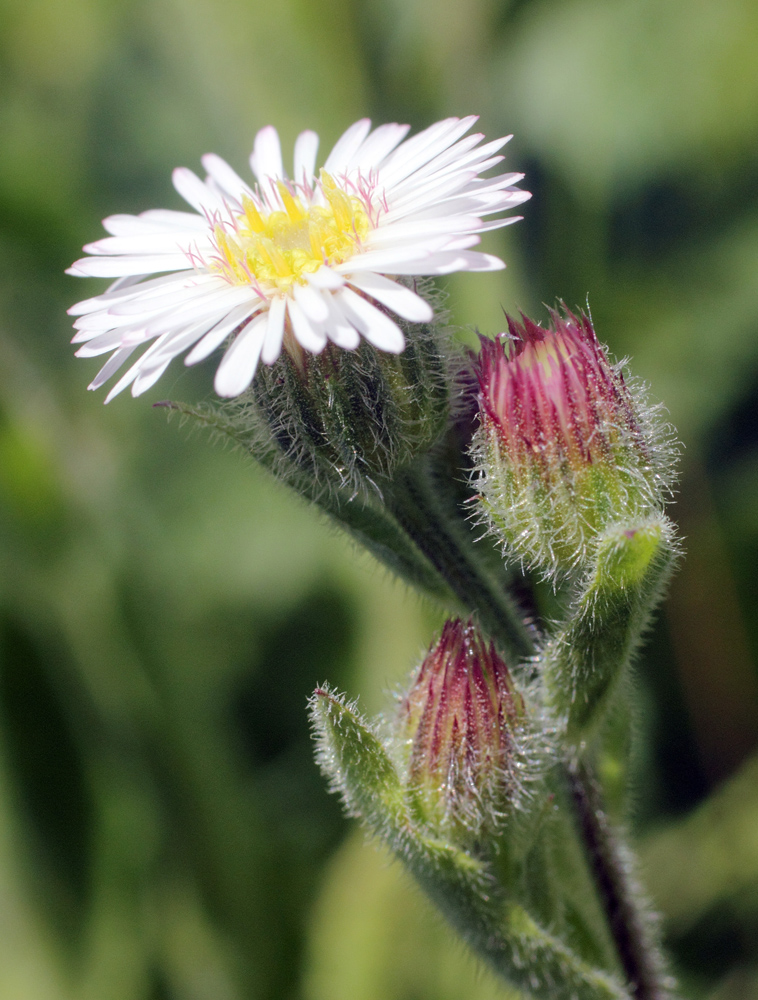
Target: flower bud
[(565, 446), (348, 419), (460, 720)]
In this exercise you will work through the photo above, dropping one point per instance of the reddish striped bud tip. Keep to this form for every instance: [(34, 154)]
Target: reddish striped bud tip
[(565, 446), (460, 719)]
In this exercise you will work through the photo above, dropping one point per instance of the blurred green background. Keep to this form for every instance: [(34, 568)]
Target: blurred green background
[(165, 609)]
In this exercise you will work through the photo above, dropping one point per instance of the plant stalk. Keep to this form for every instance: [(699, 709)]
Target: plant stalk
[(414, 505), (420, 514), (633, 930)]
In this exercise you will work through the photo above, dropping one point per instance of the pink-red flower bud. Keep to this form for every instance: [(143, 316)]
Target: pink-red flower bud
[(565, 446), (460, 719)]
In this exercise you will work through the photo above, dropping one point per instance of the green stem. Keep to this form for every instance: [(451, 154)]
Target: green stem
[(632, 929), (487, 914), (420, 513), (378, 531), (443, 542)]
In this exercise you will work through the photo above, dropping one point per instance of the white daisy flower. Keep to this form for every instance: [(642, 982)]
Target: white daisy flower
[(298, 260)]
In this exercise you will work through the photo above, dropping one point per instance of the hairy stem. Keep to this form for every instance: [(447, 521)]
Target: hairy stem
[(441, 540), (417, 509), (631, 927)]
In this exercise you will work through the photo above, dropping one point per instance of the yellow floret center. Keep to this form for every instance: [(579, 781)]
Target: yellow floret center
[(275, 249)]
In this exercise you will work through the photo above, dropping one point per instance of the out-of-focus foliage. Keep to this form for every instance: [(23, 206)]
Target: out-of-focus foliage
[(165, 609)]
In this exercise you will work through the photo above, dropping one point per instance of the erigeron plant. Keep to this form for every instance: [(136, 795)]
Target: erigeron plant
[(341, 379)]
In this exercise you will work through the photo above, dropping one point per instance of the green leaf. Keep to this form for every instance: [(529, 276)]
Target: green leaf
[(461, 883), (355, 761), (586, 659)]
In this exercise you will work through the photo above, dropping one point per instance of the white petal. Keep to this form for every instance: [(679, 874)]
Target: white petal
[(306, 148), (454, 160), (491, 224), (111, 340), (112, 267), (308, 334), (133, 372), (456, 204), (377, 328), (517, 197), (345, 336), (462, 156), (378, 145), (396, 297), (400, 232), (272, 346), (111, 366), (178, 342), (96, 325), (388, 257), (150, 243), (237, 368), (124, 284), (131, 225), (462, 242), (97, 322), (195, 193), (123, 383), (140, 309), (339, 329), (178, 294), (219, 305), (426, 196), (421, 148), (167, 218), (311, 302), (147, 378), (125, 225), (154, 221), (266, 158), (133, 287), (498, 183), (226, 178), (325, 278), (437, 262), (424, 172), (346, 147), (413, 151), (475, 261), (215, 337), (446, 262), (137, 337), (115, 295), (86, 306)]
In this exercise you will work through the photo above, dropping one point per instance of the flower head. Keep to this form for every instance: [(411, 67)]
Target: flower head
[(292, 261), (565, 446), (460, 718)]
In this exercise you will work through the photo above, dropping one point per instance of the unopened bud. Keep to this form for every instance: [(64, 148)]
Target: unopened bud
[(565, 446), (460, 719), (349, 419)]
